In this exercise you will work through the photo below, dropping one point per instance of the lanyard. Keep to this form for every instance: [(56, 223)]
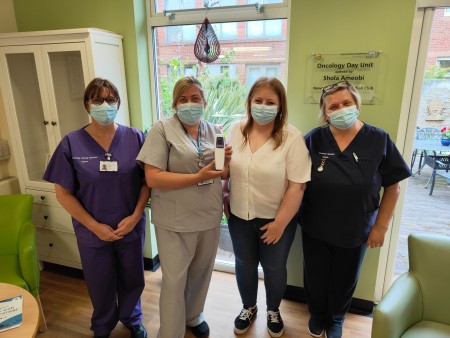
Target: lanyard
[(197, 145)]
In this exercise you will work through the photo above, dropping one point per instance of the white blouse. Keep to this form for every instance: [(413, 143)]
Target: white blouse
[(259, 180)]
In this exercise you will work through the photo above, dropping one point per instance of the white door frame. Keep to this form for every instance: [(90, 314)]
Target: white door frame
[(407, 126)]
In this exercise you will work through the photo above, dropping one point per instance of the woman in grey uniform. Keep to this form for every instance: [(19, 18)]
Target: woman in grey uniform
[(186, 205)]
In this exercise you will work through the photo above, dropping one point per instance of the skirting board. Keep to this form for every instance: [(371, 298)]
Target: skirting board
[(149, 264)]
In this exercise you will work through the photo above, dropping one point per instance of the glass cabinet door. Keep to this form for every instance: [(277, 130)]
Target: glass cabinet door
[(66, 78), (26, 89)]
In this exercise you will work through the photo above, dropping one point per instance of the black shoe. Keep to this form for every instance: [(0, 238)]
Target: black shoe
[(201, 330), (104, 336), (138, 331), (333, 331), (315, 327), (243, 321), (275, 324)]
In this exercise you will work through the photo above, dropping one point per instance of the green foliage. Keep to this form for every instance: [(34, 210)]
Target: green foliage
[(433, 72), (176, 71), (225, 97)]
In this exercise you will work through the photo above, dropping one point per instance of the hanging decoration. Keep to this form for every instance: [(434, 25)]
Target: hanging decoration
[(207, 46)]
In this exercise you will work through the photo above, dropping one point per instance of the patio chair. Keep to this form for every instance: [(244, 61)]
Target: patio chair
[(439, 164), (426, 133), (418, 302)]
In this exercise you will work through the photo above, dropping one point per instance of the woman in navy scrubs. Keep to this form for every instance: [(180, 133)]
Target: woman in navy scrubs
[(99, 183), (341, 214)]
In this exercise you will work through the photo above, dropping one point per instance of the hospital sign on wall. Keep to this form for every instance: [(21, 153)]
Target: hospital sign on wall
[(364, 70)]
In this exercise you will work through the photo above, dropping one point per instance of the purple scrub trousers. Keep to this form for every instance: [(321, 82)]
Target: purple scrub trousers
[(114, 269)]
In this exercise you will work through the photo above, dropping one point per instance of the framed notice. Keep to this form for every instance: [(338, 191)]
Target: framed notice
[(361, 69)]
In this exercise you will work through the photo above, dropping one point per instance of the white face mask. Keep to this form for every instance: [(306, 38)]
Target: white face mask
[(343, 118), (190, 113), (263, 114), (104, 114)]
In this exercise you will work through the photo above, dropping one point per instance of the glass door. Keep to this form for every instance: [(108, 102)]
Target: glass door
[(425, 87), (28, 102), (64, 70), (427, 211)]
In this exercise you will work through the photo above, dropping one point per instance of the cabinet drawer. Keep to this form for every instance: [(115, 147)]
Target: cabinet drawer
[(49, 216), (43, 197), (47, 212), (58, 247)]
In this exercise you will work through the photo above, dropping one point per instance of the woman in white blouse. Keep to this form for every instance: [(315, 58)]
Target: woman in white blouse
[(267, 178)]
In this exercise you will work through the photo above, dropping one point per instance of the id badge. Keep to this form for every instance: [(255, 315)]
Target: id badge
[(108, 166), (211, 181)]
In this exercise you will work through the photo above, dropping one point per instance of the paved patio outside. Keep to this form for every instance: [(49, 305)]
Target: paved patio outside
[(422, 212)]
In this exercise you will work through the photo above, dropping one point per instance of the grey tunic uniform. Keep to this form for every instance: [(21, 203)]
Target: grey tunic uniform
[(187, 224)]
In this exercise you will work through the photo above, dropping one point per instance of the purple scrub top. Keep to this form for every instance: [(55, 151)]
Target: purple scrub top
[(108, 196)]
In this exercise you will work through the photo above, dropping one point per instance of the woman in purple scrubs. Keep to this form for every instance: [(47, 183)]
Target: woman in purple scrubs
[(99, 183)]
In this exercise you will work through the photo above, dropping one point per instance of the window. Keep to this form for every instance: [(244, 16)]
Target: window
[(256, 71), (447, 12), (227, 70), (443, 62), (161, 5), (265, 28), (175, 4), (181, 33), (250, 48), (226, 31)]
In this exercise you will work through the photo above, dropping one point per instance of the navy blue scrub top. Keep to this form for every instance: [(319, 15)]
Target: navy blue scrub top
[(342, 199), (108, 196)]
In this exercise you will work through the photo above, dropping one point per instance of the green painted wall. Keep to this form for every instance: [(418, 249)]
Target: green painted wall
[(325, 26), (126, 18), (330, 26)]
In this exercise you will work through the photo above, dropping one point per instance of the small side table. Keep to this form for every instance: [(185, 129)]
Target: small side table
[(30, 310)]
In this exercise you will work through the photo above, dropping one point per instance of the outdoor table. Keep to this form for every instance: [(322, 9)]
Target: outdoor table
[(428, 145)]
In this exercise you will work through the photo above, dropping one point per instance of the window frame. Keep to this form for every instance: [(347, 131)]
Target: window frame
[(196, 17), (440, 59)]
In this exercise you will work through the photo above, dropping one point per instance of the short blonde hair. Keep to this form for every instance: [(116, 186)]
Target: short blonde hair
[(182, 85)]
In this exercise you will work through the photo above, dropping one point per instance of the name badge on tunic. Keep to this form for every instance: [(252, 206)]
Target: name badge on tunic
[(211, 181), (108, 166)]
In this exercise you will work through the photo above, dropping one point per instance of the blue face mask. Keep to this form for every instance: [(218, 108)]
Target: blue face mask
[(263, 114), (343, 118), (190, 113), (104, 114)]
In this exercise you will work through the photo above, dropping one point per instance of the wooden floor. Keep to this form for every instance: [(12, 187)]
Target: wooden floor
[(67, 310)]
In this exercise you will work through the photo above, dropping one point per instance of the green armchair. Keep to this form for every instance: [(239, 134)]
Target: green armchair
[(19, 264), (418, 303)]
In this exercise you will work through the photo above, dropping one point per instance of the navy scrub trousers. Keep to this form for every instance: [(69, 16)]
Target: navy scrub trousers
[(335, 273)]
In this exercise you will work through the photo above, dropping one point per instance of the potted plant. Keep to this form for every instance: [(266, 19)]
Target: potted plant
[(445, 136)]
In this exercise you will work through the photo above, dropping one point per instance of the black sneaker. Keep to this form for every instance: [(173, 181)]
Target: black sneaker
[(243, 321), (334, 331), (315, 327), (138, 331), (275, 324), (201, 330)]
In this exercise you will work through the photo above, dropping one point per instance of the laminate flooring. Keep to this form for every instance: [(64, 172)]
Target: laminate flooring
[(68, 309)]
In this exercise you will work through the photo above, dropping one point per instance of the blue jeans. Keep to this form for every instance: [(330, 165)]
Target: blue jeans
[(249, 251)]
